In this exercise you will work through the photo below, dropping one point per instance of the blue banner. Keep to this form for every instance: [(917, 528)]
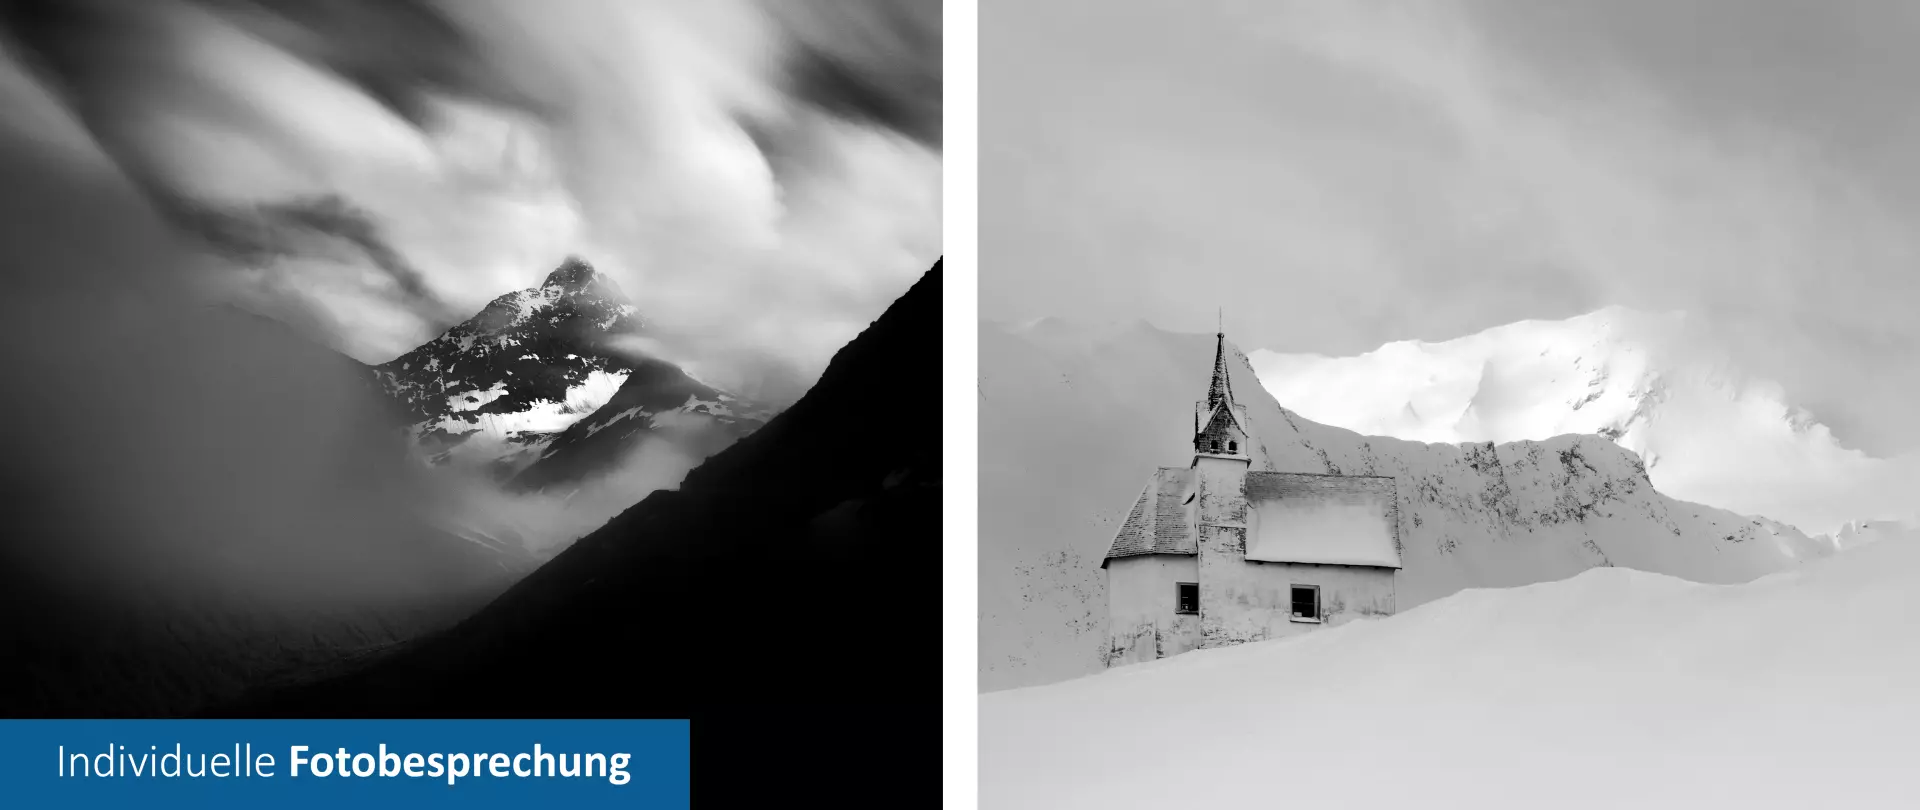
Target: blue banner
[(344, 763)]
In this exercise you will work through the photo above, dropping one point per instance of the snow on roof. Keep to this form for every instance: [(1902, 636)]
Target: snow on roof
[(1307, 518), (1160, 522), (1323, 519)]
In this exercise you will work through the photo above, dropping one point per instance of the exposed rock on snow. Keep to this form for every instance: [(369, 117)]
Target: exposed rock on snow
[(500, 386), (657, 400)]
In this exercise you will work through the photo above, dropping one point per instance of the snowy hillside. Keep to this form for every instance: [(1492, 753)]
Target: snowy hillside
[(1860, 533), (1611, 689), (1073, 420), (1707, 432)]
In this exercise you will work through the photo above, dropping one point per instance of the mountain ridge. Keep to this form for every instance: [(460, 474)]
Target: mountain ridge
[(1651, 382)]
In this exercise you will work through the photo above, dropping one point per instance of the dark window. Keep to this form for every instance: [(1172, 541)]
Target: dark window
[(1216, 445), (1306, 602), (1188, 600), (1233, 447)]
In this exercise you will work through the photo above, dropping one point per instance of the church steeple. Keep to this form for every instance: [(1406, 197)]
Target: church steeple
[(1219, 390), (1219, 423)]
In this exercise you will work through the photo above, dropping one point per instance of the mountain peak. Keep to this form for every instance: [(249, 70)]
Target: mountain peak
[(1655, 383), (577, 276), (506, 381), (575, 273)]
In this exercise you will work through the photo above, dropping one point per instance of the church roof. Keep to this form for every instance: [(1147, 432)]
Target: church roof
[(1219, 389), (1219, 393), (1233, 419), (1310, 540), (1161, 521)]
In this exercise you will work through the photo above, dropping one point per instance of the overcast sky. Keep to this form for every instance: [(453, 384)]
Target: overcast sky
[(1340, 175), (763, 178)]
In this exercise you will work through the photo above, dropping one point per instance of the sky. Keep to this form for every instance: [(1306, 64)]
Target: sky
[(762, 178), (1340, 175)]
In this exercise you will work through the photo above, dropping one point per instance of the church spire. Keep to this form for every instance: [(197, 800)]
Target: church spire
[(1219, 390), (1219, 424)]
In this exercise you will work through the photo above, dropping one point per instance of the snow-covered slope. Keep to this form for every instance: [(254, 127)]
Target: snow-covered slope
[(1860, 533), (1073, 421), (1707, 432), (1614, 688)]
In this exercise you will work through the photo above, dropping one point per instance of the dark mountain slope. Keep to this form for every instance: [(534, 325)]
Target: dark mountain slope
[(798, 568)]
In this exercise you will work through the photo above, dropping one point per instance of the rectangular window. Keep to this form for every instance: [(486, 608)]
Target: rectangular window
[(1187, 597), (1306, 603)]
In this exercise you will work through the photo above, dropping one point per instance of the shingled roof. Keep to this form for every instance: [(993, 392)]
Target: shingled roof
[(1219, 392), (1219, 389), (1161, 521)]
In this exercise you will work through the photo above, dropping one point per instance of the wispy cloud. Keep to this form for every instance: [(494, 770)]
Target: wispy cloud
[(720, 159), (1343, 175)]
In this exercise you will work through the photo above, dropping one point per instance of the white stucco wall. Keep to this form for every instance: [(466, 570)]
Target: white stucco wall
[(1141, 597), (1258, 597)]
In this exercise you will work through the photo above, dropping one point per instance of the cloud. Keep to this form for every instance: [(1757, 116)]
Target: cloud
[(686, 148), (546, 523), (1343, 175)]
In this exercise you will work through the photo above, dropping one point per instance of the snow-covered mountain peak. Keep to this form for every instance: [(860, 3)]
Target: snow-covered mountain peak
[(556, 377), (577, 274), (1651, 382), (497, 388), (1596, 373), (574, 296)]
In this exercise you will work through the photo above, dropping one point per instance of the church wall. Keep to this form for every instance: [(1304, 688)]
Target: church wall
[(1220, 538), (1141, 598), (1254, 600)]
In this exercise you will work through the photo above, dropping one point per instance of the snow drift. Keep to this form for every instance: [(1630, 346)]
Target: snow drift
[(1074, 419), (1614, 688)]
